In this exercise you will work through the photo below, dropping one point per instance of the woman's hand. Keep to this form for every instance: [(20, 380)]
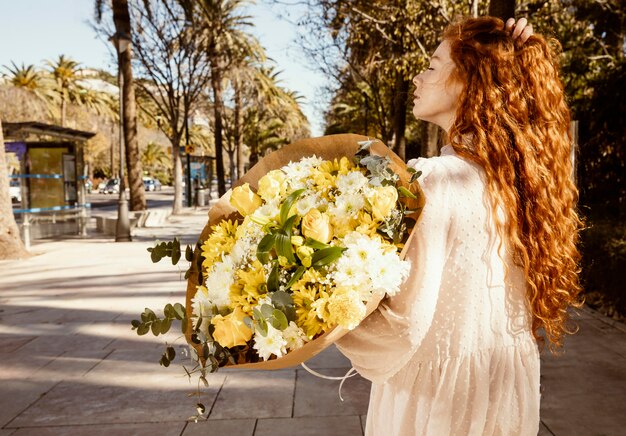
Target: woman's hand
[(521, 29)]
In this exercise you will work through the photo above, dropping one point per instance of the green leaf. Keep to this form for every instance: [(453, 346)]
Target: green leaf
[(415, 175), (204, 381), (176, 253), (294, 278), (164, 361), (188, 253), (314, 243), (284, 247), (281, 299), (267, 310), (200, 408), (143, 329), (248, 322), (155, 256), (183, 325), (326, 256), (289, 201), (180, 311), (287, 227), (279, 320), (264, 247), (135, 323), (272, 279), (165, 325), (170, 352), (156, 327), (406, 193), (168, 311)]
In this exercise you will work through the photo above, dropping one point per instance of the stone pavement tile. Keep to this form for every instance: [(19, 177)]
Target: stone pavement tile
[(329, 358), (120, 389), (310, 426), (61, 343), (320, 397), (10, 343), (150, 429), (17, 395), (255, 394), (6, 432), (221, 427)]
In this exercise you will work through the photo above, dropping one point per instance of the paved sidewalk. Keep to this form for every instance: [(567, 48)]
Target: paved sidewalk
[(70, 365)]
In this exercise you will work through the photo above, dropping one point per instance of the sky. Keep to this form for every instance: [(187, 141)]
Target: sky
[(32, 31)]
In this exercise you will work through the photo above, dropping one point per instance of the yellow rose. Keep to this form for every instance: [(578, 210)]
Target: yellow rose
[(316, 225), (272, 185), (244, 200), (382, 200), (230, 330)]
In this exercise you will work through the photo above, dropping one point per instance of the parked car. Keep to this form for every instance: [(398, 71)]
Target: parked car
[(15, 191), (151, 184), (112, 187)]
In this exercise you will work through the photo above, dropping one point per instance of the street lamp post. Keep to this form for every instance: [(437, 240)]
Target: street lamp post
[(121, 41)]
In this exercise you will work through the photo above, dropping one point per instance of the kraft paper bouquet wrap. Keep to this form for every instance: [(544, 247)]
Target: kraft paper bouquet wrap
[(267, 288), (300, 250)]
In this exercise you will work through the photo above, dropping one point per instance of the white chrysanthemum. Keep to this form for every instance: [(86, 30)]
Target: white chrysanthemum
[(362, 248), (388, 273), (350, 272), (306, 203), (347, 206), (298, 172), (218, 283), (294, 336), (352, 182), (272, 343), (269, 211)]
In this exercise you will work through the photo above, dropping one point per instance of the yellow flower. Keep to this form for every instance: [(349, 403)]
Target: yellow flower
[(345, 308), (382, 200), (248, 288), (230, 330), (306, 314), (324, 180), (316, 225), (221, 240), (245, 200), (272, 185), (343, 166), (341, 226), (366, 225)]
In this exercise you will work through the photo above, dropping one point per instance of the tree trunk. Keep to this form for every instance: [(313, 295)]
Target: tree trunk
[(11, 246), (237, 131), (216, 83), (177, 207), (399, 115), (503, 9), (432, 141), (63, 107), (121, 18)]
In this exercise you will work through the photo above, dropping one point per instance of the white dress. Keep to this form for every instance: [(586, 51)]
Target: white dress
[(453, 352)]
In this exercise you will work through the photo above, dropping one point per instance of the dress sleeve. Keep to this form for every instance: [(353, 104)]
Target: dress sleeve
[(386, 340)]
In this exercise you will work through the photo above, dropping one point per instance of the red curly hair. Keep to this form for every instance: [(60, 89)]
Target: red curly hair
[(513, 108)]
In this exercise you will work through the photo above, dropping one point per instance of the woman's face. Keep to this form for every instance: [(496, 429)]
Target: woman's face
[(436, 97)]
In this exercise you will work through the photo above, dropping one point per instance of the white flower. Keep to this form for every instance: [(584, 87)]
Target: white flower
[(218, 283), (272, 343), (347, 206), (388, 273), (306, 203), (351, 272), (202, 307), (294, 336), (352, 182)]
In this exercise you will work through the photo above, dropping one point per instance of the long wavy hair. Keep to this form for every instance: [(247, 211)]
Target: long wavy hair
[(513, 120)]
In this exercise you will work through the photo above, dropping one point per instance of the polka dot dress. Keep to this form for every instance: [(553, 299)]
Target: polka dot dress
[(453, 352)]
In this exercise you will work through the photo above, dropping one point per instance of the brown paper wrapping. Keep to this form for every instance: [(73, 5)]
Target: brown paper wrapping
[(328, 148)]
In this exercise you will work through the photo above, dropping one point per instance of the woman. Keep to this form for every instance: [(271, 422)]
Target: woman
[(494, 255)]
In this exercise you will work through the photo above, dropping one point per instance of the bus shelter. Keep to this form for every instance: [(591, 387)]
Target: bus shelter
[(46, 168)]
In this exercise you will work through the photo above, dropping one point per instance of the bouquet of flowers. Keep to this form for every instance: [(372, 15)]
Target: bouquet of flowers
[(296, 255)]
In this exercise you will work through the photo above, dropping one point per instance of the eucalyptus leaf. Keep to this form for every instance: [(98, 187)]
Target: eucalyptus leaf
[(188, 253), (164, 361), (165, 325), (180, 310), (281, 299), (176, 253), (267, 310), (143, 329), (279, 320), (135, 323), (170, 353), (156, 327)]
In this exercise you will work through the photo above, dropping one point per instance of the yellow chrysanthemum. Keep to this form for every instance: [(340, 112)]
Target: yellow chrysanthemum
[(221, 240), (342, 166), (323, 180), (344, 308), (306, 314), (248, 288), (366, 225), (341, 226)]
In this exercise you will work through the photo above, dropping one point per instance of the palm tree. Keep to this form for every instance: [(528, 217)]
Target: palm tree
[(226, 43), (155, 158), (28, 78), (121, 19), (65, 72)]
